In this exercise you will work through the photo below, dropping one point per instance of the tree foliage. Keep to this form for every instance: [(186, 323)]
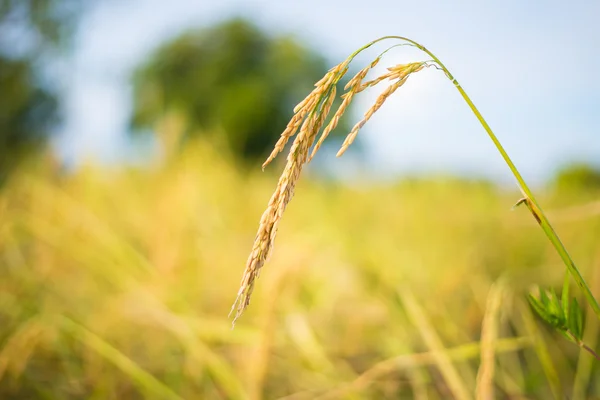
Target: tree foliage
[(27, 112), (37, 23), (30, 30), (578, 176), (230, 78)]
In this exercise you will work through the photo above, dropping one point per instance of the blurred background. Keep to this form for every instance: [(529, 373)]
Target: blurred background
[(131, 138)]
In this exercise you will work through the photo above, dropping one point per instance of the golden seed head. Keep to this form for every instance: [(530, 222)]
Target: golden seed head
[(309, 116)]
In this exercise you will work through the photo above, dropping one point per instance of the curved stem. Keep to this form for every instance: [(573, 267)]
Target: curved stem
[(530, 200)]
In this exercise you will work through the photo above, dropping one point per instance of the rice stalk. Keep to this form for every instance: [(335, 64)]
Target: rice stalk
[(432, 340), (200, 352), (323, 96), (541, 350), (307, 109), (260, 355), (489, 335), (352, 88), (309, 117), (407, 362), (20, 347)]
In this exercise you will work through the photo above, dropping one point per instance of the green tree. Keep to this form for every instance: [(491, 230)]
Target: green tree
[(36, 25), (27, 113), (230, 78), (31, 33), (577, 177)]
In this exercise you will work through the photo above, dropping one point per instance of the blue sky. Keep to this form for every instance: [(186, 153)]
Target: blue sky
[(529, 66)]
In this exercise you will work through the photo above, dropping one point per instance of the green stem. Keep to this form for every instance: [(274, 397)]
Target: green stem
[(531, 202), (536, 210), (583, 346)]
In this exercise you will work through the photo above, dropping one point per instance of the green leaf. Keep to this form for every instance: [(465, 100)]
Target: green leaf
[(565, 294), (556, 310), (555, 306), (549, 308), (540, 308), (544, 298), (575, 322)]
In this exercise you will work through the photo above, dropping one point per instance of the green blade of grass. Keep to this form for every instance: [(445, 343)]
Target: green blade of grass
[(144, 380), (531, 202), (541, 351)]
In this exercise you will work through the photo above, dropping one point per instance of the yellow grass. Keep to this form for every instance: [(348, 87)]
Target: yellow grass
[(144, 264)]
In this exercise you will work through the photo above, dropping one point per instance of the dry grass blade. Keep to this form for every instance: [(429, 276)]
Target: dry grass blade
[(260, 355), (153, 311), (417, 360), (448, 370), (489, 335), (146, 381), (20, 346)]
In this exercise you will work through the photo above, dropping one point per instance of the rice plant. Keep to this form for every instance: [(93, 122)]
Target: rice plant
[(310, 116)]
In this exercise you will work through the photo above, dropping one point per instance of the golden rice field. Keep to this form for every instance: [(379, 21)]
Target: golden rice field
[(117, 284)]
